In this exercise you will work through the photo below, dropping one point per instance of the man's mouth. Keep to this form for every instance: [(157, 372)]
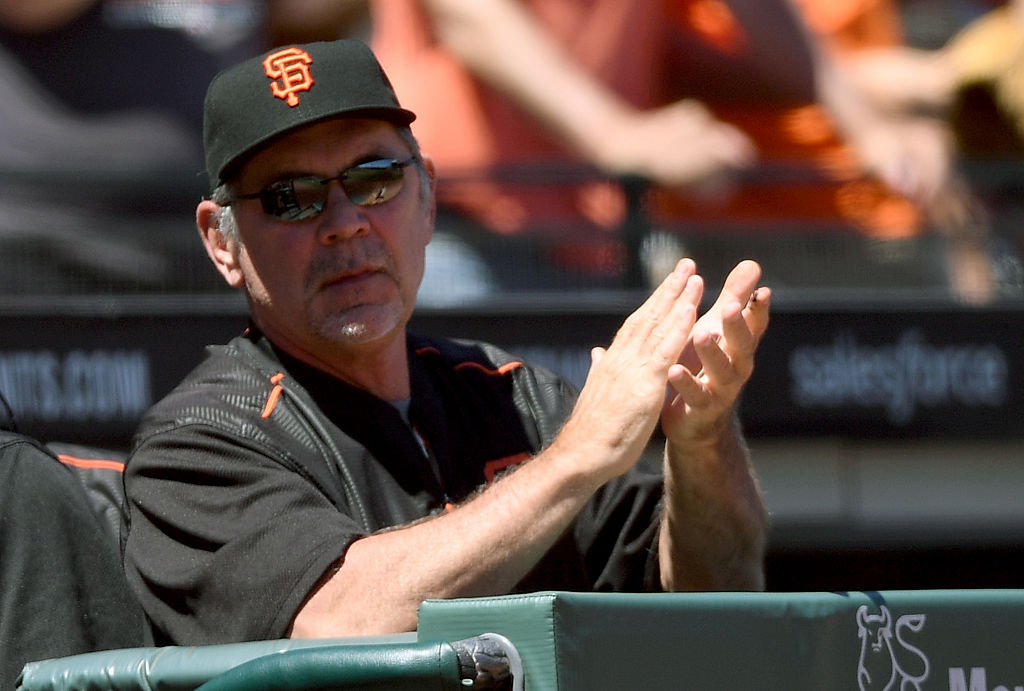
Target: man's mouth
[(351, 277)]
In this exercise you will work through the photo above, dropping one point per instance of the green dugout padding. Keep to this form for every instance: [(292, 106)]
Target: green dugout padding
[(968, 640), (170, 668), (956, 640), (395, 668), (395, 663)]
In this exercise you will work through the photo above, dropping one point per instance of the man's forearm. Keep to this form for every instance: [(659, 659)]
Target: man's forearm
[(506, 47), (714, 527), (482, 547)]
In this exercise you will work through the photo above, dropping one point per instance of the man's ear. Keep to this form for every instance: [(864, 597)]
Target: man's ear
[(222, 250)]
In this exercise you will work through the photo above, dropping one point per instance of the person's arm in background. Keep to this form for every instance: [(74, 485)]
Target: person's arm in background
[(33, 16), (912, 155), (909, 149), (681, 144), (303, 21), (901, 79), (891, 107)]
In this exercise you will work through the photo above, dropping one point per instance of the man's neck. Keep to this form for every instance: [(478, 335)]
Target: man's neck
[(381, 369)]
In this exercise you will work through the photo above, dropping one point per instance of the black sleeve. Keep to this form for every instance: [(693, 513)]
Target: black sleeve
[(224, 542), (617, 532), (615, 536), (62, 589)]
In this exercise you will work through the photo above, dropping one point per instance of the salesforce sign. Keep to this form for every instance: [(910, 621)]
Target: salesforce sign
[(889, 374), (904, 378)]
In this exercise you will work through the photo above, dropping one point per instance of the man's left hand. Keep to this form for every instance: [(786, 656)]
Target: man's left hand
[(719, 360)]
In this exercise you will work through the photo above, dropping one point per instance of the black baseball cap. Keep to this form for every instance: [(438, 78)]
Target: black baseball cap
[(251, 103)]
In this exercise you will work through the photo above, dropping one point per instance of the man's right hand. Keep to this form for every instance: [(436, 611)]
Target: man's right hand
[(623, 396)]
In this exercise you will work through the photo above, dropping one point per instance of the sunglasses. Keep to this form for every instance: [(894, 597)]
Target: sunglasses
[(366, 184)]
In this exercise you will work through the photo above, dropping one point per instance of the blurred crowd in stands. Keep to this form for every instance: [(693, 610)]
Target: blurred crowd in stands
[(581, 144)]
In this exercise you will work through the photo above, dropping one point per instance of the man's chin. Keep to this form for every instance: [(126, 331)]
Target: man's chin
[(362, 324)]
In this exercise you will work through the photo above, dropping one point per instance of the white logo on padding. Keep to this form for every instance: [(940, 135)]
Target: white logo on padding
[(883, 666)]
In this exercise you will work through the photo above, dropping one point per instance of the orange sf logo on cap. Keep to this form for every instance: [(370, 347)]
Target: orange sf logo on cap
[(289, 68)]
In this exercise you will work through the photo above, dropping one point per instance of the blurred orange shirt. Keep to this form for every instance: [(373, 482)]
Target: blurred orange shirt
[(650, 52)]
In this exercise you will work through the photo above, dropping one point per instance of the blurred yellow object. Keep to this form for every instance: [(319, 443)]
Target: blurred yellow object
[(989, 52)]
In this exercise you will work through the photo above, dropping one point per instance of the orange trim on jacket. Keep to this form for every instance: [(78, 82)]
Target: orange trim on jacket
[(91, 463), (275, 395)]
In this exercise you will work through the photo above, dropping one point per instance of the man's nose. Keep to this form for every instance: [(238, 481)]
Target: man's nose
[(341, 219)]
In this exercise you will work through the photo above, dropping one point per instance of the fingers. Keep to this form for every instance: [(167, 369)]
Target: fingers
[(662, 325), (724, 339), (727, 356), (722, 368), (740, 283), (740, 288), (757, 311), (710, 377), (664, 295), (671, 289), (669, 335), (690, 389), (618, 407)]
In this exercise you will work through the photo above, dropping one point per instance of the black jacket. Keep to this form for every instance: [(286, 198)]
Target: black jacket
[(248, 482), (62, 590)]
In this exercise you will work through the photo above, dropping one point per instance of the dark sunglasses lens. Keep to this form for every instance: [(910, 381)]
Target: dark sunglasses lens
[(366, 184), (372, 183), (296, 199)]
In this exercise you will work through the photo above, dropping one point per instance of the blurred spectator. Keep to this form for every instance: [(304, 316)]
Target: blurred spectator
[(909, 91), (971, 77), (151, 59), (519, 103), (985, 61), (119, 56), (99, 144), (713, 101)]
